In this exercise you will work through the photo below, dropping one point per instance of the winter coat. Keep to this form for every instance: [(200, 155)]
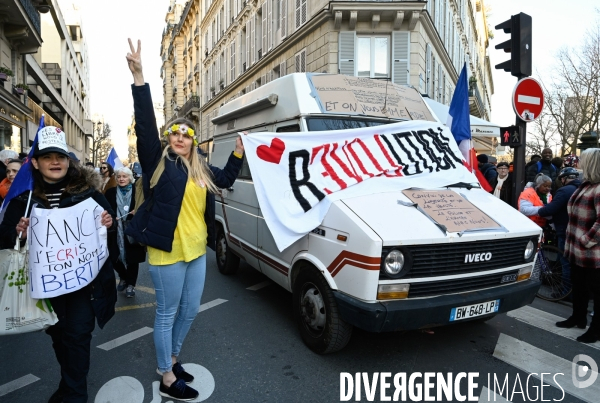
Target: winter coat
[(103, 292), (542, 166), (156, 219), (557, 208), (529, 201), (582, 245), (134, 253), (506, 193), (111, 183), (491, 175)]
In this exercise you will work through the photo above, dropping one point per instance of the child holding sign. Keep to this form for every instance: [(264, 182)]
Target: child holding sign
[(58, 183), (176, 222)]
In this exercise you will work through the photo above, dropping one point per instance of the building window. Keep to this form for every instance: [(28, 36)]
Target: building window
[(10, 136), (372, 56), (301, 12), (301, 61)]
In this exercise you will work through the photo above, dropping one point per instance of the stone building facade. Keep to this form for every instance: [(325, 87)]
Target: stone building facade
[(217, 50)]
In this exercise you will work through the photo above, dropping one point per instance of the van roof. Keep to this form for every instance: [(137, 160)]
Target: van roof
[(299, 94)]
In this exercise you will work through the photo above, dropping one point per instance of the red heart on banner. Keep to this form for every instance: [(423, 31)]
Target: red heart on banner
[(273, 153)]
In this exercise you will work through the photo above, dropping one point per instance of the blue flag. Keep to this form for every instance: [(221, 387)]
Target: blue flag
[(24, 179), (459, 115), (114, 160)]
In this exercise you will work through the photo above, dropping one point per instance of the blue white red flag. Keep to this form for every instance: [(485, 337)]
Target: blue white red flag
[(459, 120), (24, 179), (114, 160)]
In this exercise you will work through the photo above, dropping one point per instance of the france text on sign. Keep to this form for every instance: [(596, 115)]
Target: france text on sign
[(67, 248), (451, 210), (354, 95), (298, 175)]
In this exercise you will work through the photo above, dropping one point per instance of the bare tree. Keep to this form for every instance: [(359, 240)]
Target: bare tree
[(102, 143), (572, 96)]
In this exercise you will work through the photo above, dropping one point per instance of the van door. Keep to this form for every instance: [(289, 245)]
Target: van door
[(241, 207), (273, 263)]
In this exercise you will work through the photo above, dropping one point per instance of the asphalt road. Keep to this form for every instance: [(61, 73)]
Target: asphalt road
[(244, 347)]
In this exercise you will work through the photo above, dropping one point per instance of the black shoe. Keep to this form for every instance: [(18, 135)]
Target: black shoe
[(591, 336), (178, 391), (57, 397), (181, 374), (572, 323), (122, 285)]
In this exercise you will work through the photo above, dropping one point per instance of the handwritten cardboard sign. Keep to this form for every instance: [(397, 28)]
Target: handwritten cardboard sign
[(450, 209), (67, 248), (355, 95)]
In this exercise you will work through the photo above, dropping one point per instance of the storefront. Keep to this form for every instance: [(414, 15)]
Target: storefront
[(13, 126)]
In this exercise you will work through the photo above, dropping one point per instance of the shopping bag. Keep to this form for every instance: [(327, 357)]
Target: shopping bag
[(19, 313)]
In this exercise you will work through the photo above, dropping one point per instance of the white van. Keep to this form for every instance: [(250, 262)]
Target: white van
[(345, 272)]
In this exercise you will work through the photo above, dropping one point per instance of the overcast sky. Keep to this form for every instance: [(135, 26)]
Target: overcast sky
[(108, 24)]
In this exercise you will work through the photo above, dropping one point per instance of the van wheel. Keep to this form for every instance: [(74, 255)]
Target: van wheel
[(317, 315), (227, 262)]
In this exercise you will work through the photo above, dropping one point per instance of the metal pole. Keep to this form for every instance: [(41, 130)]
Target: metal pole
[(519, 163)]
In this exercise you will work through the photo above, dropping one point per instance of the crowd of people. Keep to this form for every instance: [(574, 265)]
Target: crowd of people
[(562, 194)]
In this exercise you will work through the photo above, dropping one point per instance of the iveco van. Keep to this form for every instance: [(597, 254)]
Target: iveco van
[(344, 273)]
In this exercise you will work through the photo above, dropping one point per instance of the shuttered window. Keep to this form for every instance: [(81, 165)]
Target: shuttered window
[(283, 69), (401, 57), (301, 12), (283, 9), (428, 69), (232, 61), (252, 40), (346, 52), (301, 61), (247, 61), (264, 27)]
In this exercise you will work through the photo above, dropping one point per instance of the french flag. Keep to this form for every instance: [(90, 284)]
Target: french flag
[(459, 122), (114, 160)]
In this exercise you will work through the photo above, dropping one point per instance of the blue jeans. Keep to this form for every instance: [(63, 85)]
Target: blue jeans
[(179, 289)]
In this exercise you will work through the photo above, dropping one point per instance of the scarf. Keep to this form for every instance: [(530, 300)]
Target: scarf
[(123, 203), (543, 197)]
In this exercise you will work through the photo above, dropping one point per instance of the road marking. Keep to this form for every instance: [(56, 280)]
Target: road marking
[(546, 321), (119, 341), (129, 307), (211, 304), (493, 397), (18, 384), (525, 99), (145, 289), (535, 361), (121, 389), (258, 286)]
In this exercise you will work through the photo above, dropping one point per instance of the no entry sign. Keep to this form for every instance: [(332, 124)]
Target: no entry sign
[(528, 99)]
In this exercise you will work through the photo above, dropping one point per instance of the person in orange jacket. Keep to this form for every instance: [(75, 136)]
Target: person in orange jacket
[(535, 196)]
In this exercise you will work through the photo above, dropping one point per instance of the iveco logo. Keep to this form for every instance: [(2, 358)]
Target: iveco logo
[(478, 257)]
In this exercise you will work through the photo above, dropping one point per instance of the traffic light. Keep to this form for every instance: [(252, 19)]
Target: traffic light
[(511, 136), (519, 45)]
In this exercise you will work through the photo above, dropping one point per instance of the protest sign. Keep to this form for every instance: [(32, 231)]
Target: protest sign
[(298, 175), (450, 210), (67, 248)]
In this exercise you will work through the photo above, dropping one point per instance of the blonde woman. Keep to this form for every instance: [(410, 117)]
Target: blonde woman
[(176, 222)]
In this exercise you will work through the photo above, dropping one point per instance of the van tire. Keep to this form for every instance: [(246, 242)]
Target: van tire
[(326, 332), (227, 262)]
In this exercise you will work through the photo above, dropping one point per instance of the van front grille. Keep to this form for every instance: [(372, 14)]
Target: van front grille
[(458, 285)]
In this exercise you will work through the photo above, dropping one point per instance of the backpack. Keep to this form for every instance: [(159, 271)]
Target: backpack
[(539, 167)]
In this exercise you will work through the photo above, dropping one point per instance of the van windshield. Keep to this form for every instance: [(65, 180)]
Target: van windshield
[(342, 123)]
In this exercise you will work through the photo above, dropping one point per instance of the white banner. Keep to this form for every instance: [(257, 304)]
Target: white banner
[(298, 175), (67, 248)]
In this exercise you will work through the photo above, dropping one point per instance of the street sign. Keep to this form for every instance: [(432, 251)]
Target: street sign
[(528, 99)]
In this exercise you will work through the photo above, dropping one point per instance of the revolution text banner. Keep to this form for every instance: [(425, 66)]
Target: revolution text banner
[(298, 175)]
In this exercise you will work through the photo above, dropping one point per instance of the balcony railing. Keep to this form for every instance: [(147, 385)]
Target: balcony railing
[(33, 14), (477, 108), (184, 52), (197, 68), (196, 31), (190, 77), (190, 105), (190, 43)]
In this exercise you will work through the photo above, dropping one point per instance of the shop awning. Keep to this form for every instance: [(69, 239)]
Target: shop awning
[(479, 127)]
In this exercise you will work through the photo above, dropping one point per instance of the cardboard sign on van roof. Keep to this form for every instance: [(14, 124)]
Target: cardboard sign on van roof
[(339, 93)]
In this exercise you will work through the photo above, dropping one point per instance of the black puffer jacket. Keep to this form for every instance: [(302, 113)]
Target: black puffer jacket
[(155, 221), (103, 292)]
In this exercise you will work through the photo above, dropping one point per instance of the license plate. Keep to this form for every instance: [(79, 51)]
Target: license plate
[(471, 311)]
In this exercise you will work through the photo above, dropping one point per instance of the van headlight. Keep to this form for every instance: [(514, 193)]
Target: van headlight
[(529, 249), (393, 263)]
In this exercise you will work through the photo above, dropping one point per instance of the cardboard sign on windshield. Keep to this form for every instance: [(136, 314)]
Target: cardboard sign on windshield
[(338, 93), (450, 210)]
